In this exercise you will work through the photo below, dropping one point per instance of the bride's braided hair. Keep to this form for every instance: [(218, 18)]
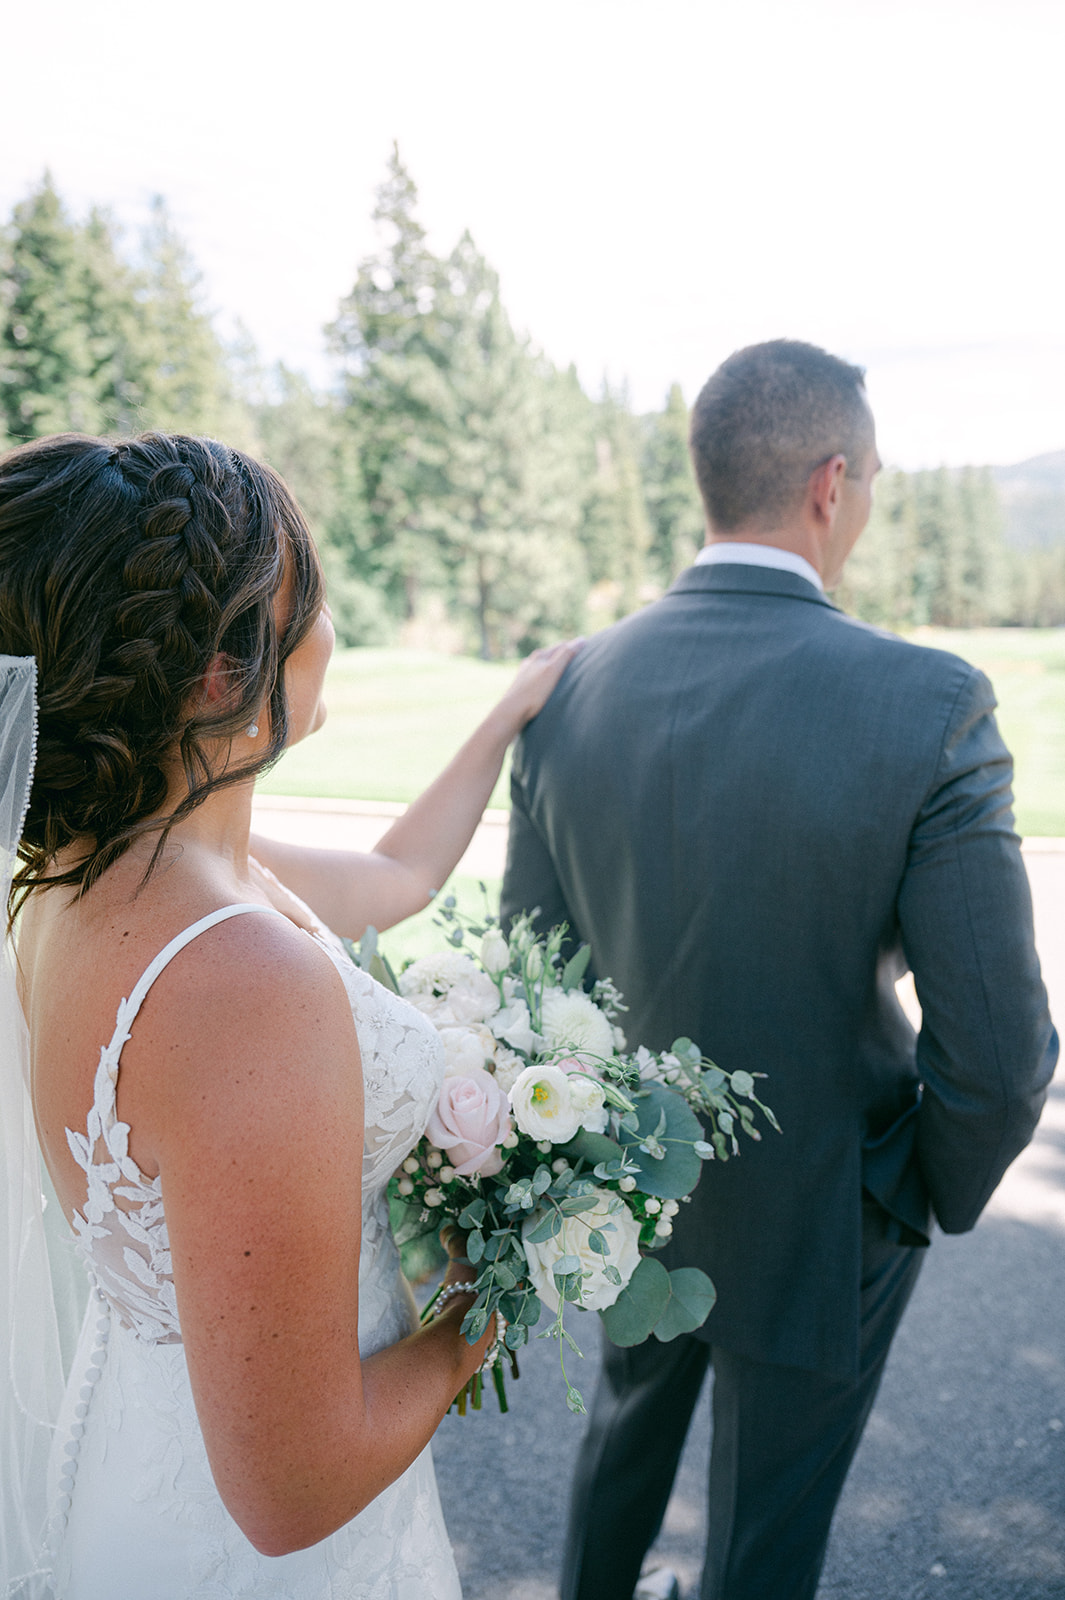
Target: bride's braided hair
[(129, 570)]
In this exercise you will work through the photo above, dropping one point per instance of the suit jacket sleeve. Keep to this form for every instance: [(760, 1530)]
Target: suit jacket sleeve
[(986, 1049), (530, 880)]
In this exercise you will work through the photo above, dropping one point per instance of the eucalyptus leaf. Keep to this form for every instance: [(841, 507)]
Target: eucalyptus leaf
[(638, 1307), (473, 1215), (475, 1246), (691, 1300), (541, 1180), (381, 970), (473, 1325), (565, 1265), (675, 1174), (597, 1243), (575, 968), (593, 1148), (549, 1224)]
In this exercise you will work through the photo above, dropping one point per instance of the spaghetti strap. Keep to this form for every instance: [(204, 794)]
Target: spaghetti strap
[(129, 1008)]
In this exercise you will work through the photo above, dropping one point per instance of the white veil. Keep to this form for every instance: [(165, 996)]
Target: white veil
[(32, 1383)]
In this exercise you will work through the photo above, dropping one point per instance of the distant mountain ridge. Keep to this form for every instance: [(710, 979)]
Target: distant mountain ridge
[(1033, 500)]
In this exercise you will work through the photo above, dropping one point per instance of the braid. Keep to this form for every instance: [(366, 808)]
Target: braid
[(128, 571)]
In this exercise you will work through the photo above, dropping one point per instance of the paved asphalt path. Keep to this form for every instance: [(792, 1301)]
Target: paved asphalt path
[(958, 1489)]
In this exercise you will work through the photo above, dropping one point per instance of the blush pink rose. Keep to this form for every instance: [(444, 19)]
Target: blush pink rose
[(472, 1116)]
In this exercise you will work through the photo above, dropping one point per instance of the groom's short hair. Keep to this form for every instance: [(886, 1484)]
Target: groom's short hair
[(769, 415)]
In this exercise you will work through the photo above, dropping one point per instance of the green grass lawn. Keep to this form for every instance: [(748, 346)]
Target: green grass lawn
[(397, 716)]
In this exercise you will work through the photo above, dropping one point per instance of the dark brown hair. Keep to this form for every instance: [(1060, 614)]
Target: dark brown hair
[(767, 418), (127, 569)]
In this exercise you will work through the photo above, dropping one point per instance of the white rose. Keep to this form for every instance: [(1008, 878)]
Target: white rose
[(495, 952), (623, 1245), (573, 1022), (514, 1025), (466, 1050), (542, 1105)]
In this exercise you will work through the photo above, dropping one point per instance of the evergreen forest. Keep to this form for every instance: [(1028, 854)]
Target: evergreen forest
[(466, 493)]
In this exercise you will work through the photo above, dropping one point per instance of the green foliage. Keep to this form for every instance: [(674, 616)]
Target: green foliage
[(462, 489), (934, 555), (660, 1147), (675, 510), (53, 338), (93, 343)]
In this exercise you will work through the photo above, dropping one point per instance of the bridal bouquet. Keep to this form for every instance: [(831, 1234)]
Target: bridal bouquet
[(562, 1157)]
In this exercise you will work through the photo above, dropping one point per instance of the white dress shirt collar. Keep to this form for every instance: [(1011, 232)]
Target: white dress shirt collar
[(738, 553)]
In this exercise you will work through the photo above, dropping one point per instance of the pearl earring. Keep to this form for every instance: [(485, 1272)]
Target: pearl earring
[(253, 730)]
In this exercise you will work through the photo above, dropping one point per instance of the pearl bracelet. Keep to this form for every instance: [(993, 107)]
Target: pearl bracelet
[(450, 1291)]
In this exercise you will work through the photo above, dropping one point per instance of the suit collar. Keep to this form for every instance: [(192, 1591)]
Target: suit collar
[(733, 577)]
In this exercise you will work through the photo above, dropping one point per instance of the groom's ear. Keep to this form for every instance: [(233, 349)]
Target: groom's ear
[(824, 489)]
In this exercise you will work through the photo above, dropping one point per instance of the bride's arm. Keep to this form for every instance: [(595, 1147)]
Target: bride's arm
[(350, 890), (257, 1120)]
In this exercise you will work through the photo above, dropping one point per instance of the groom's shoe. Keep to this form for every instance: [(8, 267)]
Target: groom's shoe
[(658, 1584)]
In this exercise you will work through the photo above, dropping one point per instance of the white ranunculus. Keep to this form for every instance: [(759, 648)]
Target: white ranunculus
[(437, 973), (573, 1022), (543, 1106), (432, 1006), (449, 987), (466, 1050), (514, 1025), (475, 999), (508, 1067), (623, 1244), (589, 1102), (495, 951)]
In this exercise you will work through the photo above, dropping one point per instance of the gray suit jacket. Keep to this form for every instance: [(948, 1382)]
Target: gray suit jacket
[(759, 812)]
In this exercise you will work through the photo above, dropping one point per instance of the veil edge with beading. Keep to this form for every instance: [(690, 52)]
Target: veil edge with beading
[(32, 1385)]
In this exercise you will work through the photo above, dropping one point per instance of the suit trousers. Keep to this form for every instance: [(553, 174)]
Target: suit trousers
[(783, 1441)]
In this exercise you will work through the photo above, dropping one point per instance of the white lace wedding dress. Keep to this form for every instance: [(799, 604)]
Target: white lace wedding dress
[(137, 1515)]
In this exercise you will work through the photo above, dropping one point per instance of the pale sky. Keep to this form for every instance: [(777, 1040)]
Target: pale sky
[(656, 181)]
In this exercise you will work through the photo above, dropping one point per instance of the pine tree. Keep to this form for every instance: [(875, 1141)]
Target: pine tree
[(615, 532), (112, 325), (878, 580), (674, 508), (387, 338), (982, 579), (184, 382), (507, 518), (48, 378)]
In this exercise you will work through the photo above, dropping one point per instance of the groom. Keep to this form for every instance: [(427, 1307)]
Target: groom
[(759, 813)]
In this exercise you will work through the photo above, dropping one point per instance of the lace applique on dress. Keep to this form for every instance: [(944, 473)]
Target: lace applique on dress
[(136, 1510), (121, 1231)]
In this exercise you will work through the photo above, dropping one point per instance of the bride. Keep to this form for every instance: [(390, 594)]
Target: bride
[(220, 1096)]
